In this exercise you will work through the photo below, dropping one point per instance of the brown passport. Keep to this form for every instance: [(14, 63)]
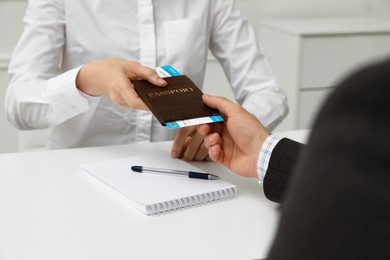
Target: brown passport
[(181, 99)]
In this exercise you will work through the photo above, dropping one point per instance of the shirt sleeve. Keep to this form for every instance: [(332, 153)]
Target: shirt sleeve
[(265, 155), (39, 95), (255, 87)]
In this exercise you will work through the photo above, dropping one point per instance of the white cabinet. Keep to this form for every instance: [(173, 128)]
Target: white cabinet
[(310, 56)]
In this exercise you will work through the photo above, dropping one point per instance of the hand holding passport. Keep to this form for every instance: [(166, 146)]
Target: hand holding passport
[(179, 104)]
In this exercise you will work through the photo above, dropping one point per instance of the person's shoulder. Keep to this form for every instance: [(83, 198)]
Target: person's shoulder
[(378, 67), (371, 74), (370, 80)]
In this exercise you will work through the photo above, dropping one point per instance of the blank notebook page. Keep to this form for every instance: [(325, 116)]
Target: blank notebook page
[(154, 193)]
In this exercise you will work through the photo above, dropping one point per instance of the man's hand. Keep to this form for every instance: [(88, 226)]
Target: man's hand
[(238, 145), (112, 78)]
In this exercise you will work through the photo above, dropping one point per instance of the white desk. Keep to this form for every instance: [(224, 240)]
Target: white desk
[(48, 210)]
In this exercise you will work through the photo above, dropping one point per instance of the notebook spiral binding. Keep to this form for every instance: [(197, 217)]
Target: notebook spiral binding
[(166, 206)]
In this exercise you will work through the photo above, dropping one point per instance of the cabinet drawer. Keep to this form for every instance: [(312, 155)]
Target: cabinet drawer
[(310, 102), (327, 59)]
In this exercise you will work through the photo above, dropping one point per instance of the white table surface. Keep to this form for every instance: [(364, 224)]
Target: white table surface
[(49, 210)]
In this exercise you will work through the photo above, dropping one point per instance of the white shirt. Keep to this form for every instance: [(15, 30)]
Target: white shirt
[(62, 35)]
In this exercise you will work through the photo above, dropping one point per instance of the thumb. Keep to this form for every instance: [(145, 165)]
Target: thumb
[(223, 105), (148, 74)]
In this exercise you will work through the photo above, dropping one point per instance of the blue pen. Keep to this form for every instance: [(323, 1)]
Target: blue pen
[(190, 174)]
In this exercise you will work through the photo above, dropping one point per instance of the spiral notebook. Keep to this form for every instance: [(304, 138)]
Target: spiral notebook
[(154, 193)]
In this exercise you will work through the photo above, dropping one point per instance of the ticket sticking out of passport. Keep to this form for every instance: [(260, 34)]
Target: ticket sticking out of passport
[(177, 105)]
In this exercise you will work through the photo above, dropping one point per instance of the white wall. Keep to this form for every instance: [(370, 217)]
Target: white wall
[(11, 13), (11, 24)]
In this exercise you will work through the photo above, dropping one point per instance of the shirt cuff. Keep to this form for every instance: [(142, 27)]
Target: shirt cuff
[(65, 99), (265, 155)]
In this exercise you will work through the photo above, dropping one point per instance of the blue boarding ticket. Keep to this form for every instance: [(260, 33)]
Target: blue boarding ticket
[(194, 121), (169, 71)]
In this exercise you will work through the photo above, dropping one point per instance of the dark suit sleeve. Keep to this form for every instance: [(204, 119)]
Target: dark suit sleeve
[(337, 205), (281, 164)]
